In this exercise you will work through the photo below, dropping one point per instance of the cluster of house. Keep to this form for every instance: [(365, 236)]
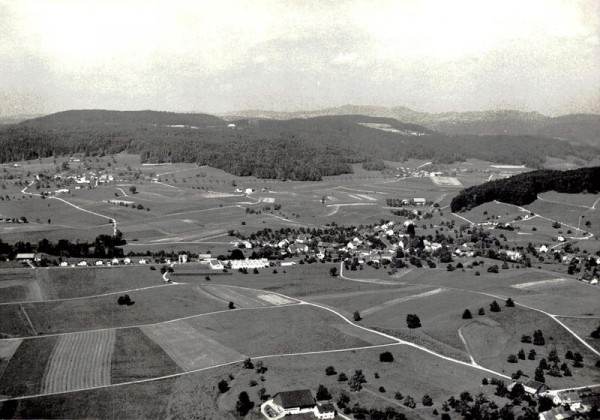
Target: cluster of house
[(301, 401), (569, 404), (247, 263), (13, 220)]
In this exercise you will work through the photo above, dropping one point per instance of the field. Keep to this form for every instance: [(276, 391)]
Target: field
[(70, 350), (80, 361)]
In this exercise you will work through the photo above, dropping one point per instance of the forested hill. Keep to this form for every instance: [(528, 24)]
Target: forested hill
[(299, 149), (523, 188), (100, 117)]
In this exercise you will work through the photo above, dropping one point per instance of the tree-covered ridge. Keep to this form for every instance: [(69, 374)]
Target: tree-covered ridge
[(301, 149), (523, 188)]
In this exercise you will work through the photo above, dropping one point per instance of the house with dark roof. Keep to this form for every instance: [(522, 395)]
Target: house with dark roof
[(295, 402), (531, 387)]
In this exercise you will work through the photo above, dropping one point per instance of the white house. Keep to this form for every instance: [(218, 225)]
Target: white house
[(295, 402), (215, 264), (127, 261), (143, 261), (82, 264), (115, 261), (99, 263), (324, 411), (64, 264), (249, 190), (183, 258), (419, 201)]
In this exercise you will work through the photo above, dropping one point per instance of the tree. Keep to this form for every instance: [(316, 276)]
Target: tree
[(525, 338), (531, 355), (510, 303), (398, 396), (333, 271), (330, 370), (231, 305), (493, 269), (243, 404), (538, 338), (427, 401), (248, 364), (553, 356), (413, 321), (543, 364), (133, 189), (494, 307), (223, 386), (342, 377), (539, 375), (409, 402), (521, 354), (569, 355), (386, 357), (467, 314), (512, 359), (596, 332), (357, 316), (323, 393), (481, 311)]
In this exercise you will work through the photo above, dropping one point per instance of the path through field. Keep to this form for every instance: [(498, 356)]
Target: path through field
[(80, 361), (396, 301)]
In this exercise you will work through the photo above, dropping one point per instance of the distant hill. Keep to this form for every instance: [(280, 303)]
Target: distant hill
[(524, 188), (99, 117), (581, 128), (297, 149)]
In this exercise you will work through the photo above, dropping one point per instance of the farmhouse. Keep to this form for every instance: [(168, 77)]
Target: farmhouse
[(531, 387), (419, 201), (295, 402), (26, 257), (215, 264)]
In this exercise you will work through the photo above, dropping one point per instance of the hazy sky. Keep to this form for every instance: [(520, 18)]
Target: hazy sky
[(215, 56)]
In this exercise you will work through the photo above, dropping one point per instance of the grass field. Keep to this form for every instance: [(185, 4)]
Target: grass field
[(584, 327), (80, 361), (284, 329), (24, 374), (137, 357), (189, 348), (151, 306)]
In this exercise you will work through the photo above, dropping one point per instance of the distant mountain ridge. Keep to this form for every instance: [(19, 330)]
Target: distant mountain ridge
[(581, 128), (295, 149)]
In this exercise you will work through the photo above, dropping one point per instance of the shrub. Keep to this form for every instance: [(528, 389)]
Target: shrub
[(512, 359), (510, 303), (467, 314), (330, 370), (427, 401)]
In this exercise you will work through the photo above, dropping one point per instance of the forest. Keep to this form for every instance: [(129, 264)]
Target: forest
[(300, 149), (523, 189)]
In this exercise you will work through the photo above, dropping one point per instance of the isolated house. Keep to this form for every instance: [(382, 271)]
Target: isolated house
[(295, 402)]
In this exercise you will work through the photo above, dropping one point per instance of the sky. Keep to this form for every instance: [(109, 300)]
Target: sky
[(226, 55)]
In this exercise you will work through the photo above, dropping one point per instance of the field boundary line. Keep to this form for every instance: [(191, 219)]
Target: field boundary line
[(28, 319)]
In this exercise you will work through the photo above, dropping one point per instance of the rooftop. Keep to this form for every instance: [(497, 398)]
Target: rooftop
[(296, 398)]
